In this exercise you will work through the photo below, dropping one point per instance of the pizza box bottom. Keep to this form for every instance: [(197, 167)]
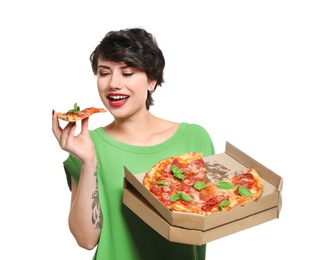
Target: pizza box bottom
[(219, 166), (141, 207)]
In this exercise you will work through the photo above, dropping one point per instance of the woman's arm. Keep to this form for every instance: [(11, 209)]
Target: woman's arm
[(84, 218)]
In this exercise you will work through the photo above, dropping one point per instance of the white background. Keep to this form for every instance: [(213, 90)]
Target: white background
[(242, 69)]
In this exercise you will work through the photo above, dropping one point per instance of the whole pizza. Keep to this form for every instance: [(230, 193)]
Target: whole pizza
[(180, 184)]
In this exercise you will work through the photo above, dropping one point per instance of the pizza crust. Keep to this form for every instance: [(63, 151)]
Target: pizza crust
[(74, 117)]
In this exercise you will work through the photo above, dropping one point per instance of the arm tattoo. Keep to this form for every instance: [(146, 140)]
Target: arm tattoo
[(97, 216)]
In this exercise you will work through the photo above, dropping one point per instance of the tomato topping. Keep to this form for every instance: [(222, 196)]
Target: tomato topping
[(213, 202), (198, 162), (245, 179), (185, 203), (158, 190), (165, 199)]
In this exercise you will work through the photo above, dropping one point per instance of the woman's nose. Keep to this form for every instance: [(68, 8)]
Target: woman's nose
[(115, 82)]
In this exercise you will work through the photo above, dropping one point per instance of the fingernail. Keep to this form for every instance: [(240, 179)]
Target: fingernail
[(53, 112)]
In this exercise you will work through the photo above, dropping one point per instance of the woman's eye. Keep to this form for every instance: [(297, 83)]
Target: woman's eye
[(127, 73), (102, 73)]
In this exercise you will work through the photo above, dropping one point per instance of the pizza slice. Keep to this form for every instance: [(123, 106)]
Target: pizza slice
[(76, 114), (226, 194), (249, 186)]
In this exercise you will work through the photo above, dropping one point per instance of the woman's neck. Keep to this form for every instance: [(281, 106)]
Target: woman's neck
[(149, 130)]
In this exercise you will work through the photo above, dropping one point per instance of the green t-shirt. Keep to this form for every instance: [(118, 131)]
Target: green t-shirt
[(124, 236)]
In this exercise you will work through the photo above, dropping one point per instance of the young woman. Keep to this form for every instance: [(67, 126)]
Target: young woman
[(129, 66)]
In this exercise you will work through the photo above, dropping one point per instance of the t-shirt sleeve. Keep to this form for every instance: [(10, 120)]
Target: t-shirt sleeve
[(72, 168), (202, 139)]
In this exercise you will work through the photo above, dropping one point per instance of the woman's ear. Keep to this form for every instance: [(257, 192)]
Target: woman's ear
[(151, 86)]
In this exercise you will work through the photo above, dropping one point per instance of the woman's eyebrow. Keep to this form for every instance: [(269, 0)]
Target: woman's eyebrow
[(103, 66), (108, 67)]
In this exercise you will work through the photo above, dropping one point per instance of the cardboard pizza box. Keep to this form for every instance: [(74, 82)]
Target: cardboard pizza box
[(141, 207), (198, 229)]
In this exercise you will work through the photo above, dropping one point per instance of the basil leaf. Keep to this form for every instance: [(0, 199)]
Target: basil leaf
[(199, 185), (75, 109), (181, 196), (244, 191), (186, 197), (161, 182), (175, 197), (224, 203), (177, 172), (225, 185)]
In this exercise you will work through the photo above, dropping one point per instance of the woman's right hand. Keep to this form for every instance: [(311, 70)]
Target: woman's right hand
[(81, 146)]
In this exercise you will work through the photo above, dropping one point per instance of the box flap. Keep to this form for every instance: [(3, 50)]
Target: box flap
[(248, 162)]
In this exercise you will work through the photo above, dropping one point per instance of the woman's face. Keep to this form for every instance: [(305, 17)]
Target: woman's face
[(122, 89)]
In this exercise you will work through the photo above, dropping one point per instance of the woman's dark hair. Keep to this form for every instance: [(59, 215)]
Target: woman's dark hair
[(136, 48)]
